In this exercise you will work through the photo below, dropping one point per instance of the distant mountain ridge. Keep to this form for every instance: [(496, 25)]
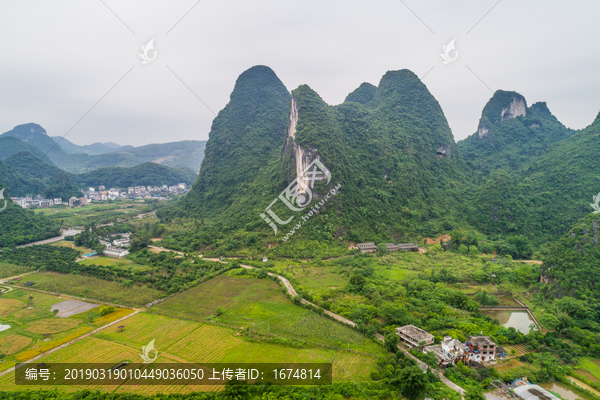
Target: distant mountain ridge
[(92, 149), (78, 159), (26, 174)]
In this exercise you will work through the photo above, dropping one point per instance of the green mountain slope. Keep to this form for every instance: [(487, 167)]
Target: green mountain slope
[(561, 183), (573, 266), (245, 138), (511, 135), (394, 157), (24, 173), (142, 174), (11, 145), (19, 226)]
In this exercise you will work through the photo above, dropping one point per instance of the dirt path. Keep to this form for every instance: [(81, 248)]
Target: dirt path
[(3, 280), (62, 346), (159, 249)]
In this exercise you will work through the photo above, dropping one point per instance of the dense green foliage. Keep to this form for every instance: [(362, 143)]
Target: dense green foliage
[(572, 267), (19, 226), (11, 145), (145, 174), (363, 94)]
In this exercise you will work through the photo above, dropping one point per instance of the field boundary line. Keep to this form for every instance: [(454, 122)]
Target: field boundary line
[(62, 346), (78, 298)]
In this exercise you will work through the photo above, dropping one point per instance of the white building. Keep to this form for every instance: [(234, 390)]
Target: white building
[(101, 188), (58, 201), (91, 190), (115, 252)]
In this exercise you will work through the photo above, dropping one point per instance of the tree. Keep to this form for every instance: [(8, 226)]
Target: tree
[(391, 342), (474, 393), (412, 381)]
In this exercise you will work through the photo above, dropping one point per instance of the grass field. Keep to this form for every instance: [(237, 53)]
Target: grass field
[(92, 288), (261, 305), (98, 212), (186, 341), (35, 329), (107, 261), (9, 270), (589, 368)]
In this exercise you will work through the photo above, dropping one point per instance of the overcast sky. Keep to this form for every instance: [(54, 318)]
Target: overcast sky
[(59, 58)]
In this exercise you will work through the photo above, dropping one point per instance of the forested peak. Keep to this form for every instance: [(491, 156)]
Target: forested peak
[(258, 84), (502, 106), (26, 129), (540, 107), (363, 94), (399, 87)]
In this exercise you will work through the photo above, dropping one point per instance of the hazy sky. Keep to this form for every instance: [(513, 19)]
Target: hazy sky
[(59, 58)]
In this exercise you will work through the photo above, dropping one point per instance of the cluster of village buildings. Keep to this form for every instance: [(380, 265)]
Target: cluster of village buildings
[(102, 194), (450, 351)]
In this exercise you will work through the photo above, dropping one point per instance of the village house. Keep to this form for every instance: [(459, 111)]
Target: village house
[(414, 336), (483, 348)]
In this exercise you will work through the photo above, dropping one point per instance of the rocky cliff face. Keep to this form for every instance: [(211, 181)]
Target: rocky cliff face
[(502, 107)]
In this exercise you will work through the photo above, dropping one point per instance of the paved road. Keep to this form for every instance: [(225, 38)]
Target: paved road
[(62, 346)]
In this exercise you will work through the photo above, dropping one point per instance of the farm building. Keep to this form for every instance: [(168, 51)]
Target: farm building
[(115, 252), (371, 247), (402, 246), (412, 335), (367, 247), (533, 392)]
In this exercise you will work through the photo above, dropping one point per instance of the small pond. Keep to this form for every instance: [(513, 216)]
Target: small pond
[(561, 390), (520, 320)]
